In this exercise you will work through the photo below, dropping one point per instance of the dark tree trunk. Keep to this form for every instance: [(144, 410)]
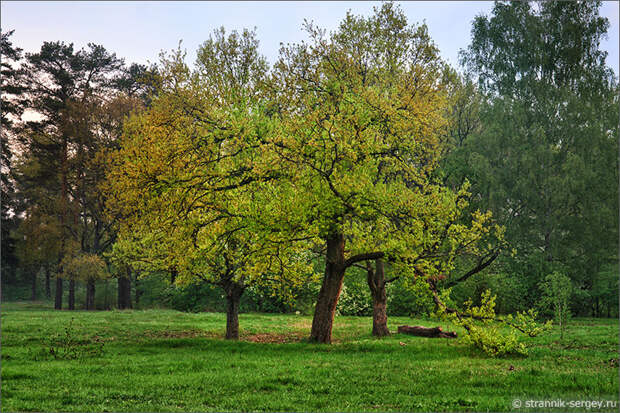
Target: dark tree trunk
[(377, 283), (124, 293), (598, 311), (48, 289), (138, 291), (71, 295), (90, 295), (233, 297), (33, 286), (120, 302), (58, 298), (330, 290), (63, 217), (105, 296)]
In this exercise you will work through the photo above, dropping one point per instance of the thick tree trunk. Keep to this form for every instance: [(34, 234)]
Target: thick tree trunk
[(330, 290), (124, 293), (233, 297), (90, 295), (432, 332), (48, 289), (58, 298), (376, 282), (33, 286), (71, 303)]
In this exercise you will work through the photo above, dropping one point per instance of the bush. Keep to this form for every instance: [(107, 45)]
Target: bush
[(354, 302), (355, 299), (484, 329)]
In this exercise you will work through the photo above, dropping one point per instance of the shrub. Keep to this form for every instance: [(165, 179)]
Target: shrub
[(354, 301), (484, 329)]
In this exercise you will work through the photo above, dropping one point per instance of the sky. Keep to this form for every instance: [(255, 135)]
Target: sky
[(138, 30)]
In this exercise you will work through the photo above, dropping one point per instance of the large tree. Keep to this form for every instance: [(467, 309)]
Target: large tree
[(362, 115), (545, 157), (79, 98), (187, 182), (12, 103)]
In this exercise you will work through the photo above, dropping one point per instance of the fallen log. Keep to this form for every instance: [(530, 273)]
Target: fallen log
[(426, 331)]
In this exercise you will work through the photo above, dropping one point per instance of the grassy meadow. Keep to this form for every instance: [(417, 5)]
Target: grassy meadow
[(165, 360)]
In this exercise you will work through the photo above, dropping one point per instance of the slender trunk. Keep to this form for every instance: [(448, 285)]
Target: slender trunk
[(90, 295), (233, 297), (376, 282), (48, 289), (598, 311), (105, 296), (90, 284), (124, 293), (548, 250), (33, 287), (63, 216), (330, 290), (138, 291), (120, 290), (127, 293), (58, 298), (71, 295)]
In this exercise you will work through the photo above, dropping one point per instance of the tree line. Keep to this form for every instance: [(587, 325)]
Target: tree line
[(359, 151)]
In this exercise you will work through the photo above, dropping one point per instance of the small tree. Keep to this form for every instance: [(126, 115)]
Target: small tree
[(88, 268), (557, 290)]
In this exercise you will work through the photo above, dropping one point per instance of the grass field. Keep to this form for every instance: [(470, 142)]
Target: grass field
[(163, 360)]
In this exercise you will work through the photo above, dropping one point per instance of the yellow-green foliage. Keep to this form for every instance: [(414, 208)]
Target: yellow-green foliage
[(363, 115), (247, 175), (485, 330), (84, 266), (189, 182), (38, 238)]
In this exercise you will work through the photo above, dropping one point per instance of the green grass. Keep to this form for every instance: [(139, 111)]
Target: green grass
[(163, 360)]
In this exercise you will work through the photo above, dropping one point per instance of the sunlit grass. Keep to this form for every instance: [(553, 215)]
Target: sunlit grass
[(164, 360)]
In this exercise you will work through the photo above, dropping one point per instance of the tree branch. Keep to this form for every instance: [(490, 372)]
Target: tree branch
[(482, 264), (363, 257)]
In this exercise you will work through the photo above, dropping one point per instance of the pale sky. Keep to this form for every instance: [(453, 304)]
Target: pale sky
[(139, 30)]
